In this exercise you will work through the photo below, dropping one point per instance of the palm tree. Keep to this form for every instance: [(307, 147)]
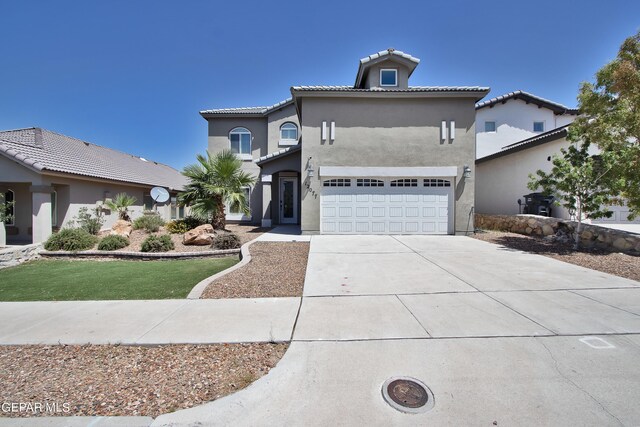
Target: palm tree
[(121, 204), (214, 181)]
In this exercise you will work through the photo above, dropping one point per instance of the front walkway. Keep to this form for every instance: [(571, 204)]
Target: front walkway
[(501, 337)]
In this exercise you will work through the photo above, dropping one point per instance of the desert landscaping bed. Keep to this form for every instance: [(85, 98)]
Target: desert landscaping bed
[(246, 233), (276, 269), (116, 380), (618, 264)]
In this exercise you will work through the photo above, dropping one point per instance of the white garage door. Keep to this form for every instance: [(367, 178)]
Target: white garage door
[(386, 206)]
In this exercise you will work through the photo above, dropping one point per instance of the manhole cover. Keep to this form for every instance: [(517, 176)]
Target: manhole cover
[(407, 394)]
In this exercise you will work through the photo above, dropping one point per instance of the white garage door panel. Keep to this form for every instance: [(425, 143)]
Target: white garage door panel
[(386, 210)]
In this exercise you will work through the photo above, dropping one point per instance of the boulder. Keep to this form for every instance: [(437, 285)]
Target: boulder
[(201, 235), (121, 228), (547, 230), (622, 244)]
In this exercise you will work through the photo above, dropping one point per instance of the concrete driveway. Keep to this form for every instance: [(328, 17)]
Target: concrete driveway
[(500, 337)]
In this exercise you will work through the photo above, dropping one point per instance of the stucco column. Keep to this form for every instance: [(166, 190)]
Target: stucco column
[(266, 200), (41, 212)]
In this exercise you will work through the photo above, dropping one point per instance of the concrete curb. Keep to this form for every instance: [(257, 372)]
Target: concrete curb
[(138, 255), (245, 257)]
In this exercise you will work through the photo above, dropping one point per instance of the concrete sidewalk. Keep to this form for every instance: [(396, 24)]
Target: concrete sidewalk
[(148, 321)]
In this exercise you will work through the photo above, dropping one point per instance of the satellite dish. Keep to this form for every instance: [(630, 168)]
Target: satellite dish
[(159, 194)]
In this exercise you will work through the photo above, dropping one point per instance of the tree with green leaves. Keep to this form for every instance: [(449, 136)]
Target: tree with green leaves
[(5, 209), (216, 180), (610, 119), (580, 183), (121, 204)]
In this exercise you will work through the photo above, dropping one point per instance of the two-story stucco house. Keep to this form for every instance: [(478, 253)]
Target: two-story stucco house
[(378, 157), (517, 134)]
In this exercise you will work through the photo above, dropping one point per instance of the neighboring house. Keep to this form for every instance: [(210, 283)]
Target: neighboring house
[(514, 139), (514, 117), (378, 157), (50, 176)]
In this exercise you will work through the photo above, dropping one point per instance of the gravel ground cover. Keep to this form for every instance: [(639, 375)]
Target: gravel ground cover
[(276, 269), (124, 380), (618, 264)]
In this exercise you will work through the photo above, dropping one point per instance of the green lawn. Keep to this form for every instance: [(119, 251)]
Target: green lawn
[(55, 280)]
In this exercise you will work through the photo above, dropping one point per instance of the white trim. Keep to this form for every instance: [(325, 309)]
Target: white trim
[(395, 70), (426, 171), (452, 130), (323, 131), (443, 130), (332, 131), (294, 219), (287, 142), (241, 130)]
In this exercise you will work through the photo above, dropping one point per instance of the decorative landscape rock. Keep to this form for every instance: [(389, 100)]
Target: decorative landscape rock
[(592, 236), (201, 235), (122, 228), (15, 255)]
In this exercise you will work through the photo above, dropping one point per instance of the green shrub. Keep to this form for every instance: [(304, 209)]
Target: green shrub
[(70, 239), (226, 241), (113, 242), (89, 221), (155, 243), (181, 226), (148, 222)]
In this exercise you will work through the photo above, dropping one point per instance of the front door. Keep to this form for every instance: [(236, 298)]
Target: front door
[(288, 200)]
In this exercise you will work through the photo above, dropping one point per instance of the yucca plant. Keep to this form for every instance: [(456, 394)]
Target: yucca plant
[(214, 181), (121, 203)]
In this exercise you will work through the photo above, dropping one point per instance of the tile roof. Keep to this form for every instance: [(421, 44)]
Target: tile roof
[(44, 150), (409, 89), (529, 98), (389, 52), (534, 141), (247, 110), (278, 154)]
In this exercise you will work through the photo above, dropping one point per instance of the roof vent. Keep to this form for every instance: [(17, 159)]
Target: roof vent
[(390, 50)]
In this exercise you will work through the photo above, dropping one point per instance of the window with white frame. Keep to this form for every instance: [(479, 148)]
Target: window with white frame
[(388, 77), (288, 134), (240, 142), (235, 208), (538, 126), (10, 209), (405, 182), (433, 182), (489, 126), (368, 182), (338, 182), (177, 211)]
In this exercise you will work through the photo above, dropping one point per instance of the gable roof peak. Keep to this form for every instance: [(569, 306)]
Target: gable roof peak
[(390, 53)]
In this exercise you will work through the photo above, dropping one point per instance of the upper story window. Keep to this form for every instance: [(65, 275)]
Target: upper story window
[(489, 126), (288, 134), (538, 126), (240, 141), (388, 77)]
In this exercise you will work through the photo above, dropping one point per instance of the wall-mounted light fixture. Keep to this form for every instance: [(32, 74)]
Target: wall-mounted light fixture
[(323, 131), (310, 170), (467, 172)]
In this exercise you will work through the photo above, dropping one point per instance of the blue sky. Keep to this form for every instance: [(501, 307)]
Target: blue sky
[(132, 75)]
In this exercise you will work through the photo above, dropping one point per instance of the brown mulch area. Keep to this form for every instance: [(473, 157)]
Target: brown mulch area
[(124, 380), (618, 264), (276, 269), (246, 233)]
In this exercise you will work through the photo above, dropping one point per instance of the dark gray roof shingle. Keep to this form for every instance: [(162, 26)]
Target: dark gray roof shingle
[(44, 150), (528, 98), (247, 110)]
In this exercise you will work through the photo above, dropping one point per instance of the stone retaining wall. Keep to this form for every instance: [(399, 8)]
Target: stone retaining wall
[(592, 236), (15, 255)]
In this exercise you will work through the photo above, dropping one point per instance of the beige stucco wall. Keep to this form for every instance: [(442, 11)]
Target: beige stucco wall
[(218, 140), (275, 120), (388, 131), (373, 78), (502, 181)]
